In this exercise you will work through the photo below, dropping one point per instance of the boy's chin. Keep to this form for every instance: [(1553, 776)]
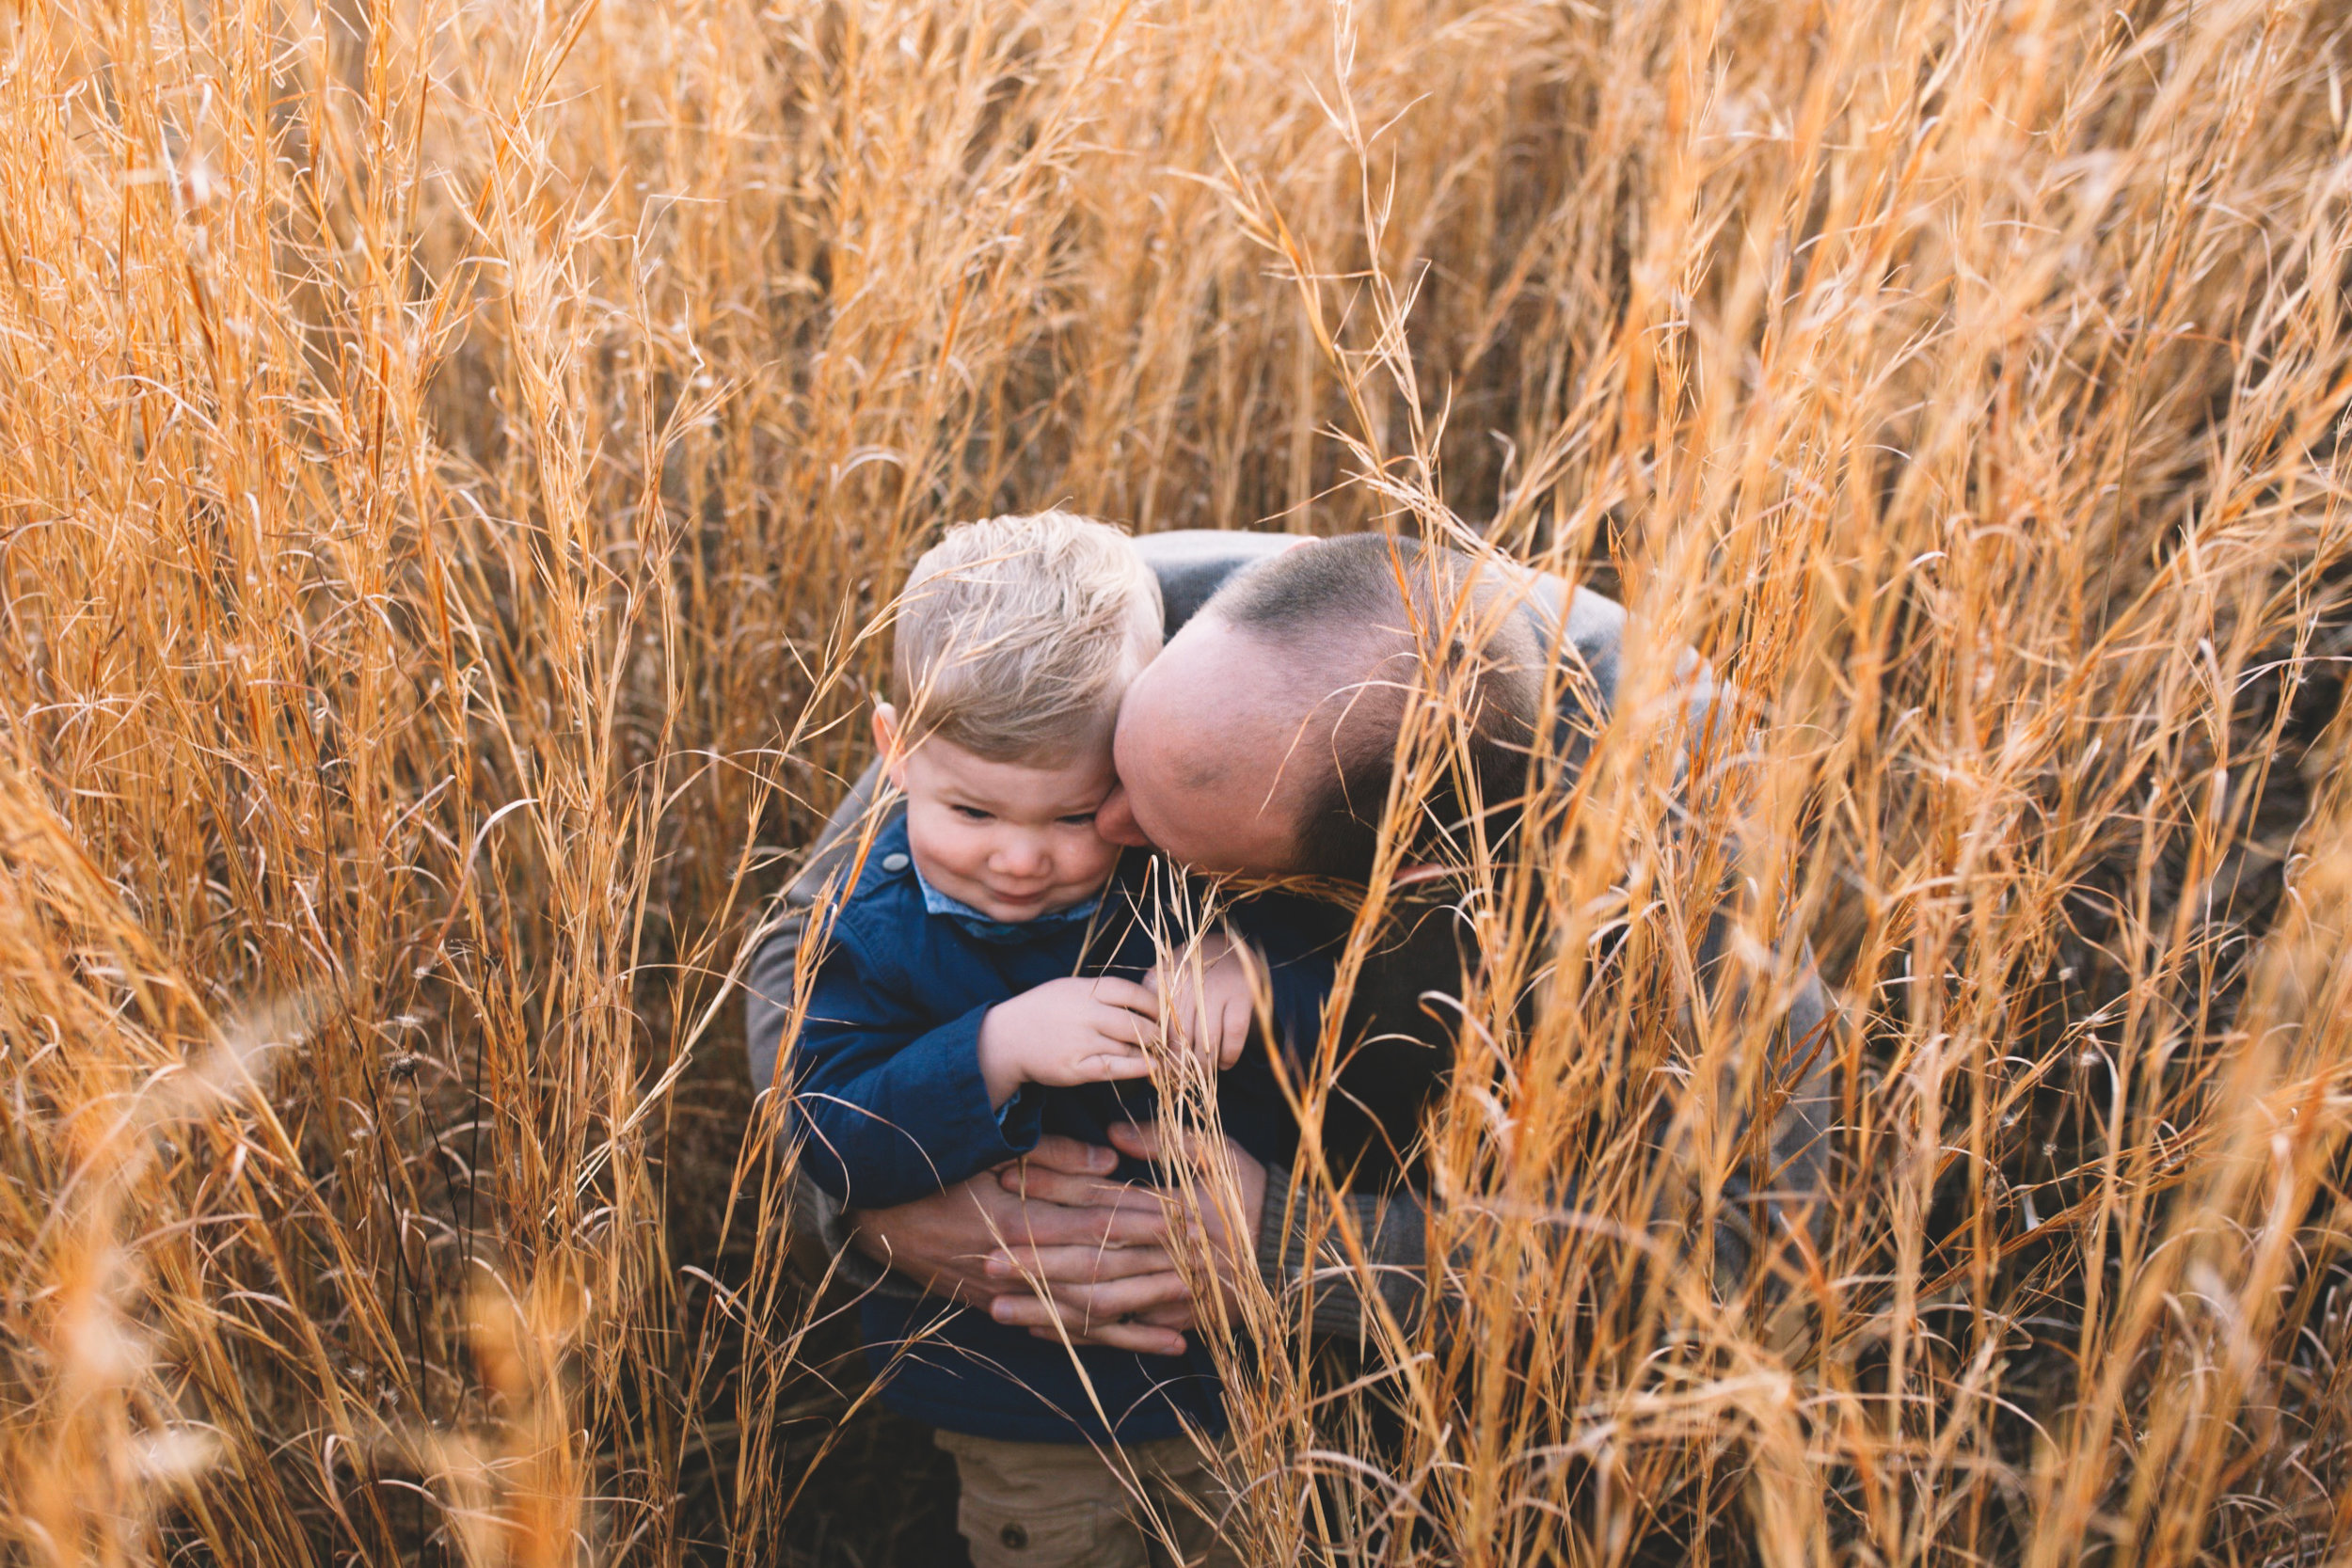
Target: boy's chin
[(1014, 911)]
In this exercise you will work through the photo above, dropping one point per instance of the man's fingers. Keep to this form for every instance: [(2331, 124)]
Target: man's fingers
[(1138, 1338), (1177, 1315), (1059, 1225), (1078, 1265), (1069, 1155), (1087, 1307), (1035, 1183), (1135, 1141), (1076, 1192)]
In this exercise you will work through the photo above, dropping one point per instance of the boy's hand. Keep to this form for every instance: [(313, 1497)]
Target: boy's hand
[(1213, 996), (1072, 1031)]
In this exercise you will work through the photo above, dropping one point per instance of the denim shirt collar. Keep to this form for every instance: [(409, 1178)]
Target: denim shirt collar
[(1003, 932)]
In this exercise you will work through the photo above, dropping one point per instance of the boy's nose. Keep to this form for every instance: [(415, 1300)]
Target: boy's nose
[(1020, 857)]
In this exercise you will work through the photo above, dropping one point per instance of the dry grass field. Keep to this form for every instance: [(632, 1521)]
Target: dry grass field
[(452, 453)]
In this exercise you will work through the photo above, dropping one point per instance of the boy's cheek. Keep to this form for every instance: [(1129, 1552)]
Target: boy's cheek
[(935, 843), (1104, 861)]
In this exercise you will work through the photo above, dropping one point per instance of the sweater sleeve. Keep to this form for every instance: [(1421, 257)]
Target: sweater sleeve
[(890, 1107), (820, 1226), (1765, 1200), (1393, 1229)]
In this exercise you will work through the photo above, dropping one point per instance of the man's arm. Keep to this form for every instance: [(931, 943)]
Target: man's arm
[(1393, 1230), (1298, 1252), (1769, 1194), (1392, 1227), (821, 1232)]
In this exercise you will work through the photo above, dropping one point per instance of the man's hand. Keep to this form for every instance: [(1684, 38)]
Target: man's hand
[(943, 1242), (1230, 1183), (1212, 995), (1069, 1031), (1097, 1307), (1126, 1297)]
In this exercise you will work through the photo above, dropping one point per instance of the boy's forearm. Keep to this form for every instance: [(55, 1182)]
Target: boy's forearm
[(888, 1121)]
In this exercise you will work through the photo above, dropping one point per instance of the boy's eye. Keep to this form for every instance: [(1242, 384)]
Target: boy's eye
[(970, 814), (1078, 819)]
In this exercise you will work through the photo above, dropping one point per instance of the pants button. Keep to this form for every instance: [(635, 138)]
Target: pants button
[(1013, 1536)]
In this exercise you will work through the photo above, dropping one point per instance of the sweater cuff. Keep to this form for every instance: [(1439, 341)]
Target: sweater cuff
[(822, 1249), (1393, 1228)]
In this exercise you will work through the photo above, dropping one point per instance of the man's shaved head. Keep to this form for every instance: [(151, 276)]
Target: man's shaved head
[(1263, 737)]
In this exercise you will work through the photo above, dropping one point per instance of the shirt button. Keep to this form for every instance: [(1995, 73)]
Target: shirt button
[(894, 863), (1013, 1536)]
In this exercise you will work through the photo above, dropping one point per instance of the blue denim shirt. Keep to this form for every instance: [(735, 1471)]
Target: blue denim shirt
[(889, 1106)]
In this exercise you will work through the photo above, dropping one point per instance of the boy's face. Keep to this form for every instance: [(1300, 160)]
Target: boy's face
[(1012, 840)]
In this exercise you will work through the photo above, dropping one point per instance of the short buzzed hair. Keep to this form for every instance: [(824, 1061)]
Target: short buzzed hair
[(1017, 636), (1404, 616)]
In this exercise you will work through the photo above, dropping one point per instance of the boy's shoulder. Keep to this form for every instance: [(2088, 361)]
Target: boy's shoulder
[(882, 911)]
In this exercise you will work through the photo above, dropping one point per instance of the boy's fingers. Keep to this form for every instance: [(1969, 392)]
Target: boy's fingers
[(1236, 1034), (1107, 1067), (1124, 1027), (1127, 995)]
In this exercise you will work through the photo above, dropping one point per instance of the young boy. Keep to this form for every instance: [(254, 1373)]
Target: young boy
[(982, 985)]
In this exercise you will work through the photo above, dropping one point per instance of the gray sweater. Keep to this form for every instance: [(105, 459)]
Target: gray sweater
[(1393, 1225)]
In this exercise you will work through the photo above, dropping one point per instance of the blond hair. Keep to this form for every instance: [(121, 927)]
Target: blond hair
[(1017, 636)]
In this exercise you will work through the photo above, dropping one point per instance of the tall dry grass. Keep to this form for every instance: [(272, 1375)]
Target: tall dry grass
[(448, 454)]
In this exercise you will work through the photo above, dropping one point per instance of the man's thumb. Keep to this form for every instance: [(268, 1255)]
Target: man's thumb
[(1071, 1157), (1137, 1143)]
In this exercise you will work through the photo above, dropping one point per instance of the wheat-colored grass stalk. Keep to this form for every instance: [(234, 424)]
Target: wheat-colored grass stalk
[(447, 452)]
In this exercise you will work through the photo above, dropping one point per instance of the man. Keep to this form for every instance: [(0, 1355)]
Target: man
[(1262, 742)]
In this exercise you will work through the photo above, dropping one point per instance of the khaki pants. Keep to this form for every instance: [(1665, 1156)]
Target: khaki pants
[(1062, 1505)]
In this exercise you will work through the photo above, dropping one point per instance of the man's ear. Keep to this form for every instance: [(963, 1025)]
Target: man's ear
[(886, 743)]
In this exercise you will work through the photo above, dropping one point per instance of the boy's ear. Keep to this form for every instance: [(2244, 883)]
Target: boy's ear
[(886, 743)]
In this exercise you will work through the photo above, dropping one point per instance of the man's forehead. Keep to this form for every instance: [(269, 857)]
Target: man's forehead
[(1201, 701), (1204, 741)]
